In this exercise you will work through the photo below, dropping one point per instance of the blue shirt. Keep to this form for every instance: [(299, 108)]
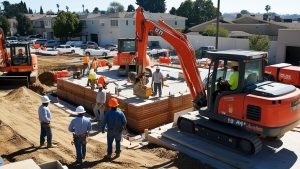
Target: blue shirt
[(115, 120), (80, 125), (44, 114)]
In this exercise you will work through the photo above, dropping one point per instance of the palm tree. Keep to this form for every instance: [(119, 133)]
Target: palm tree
[(67, 8), (83, 8), (267, 8), (57, 5)]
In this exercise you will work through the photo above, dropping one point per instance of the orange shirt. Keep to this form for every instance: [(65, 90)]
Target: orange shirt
[(101, 80), (86, 59), (94, 64)]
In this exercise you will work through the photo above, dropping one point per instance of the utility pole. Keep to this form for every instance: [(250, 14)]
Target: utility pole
[(218, 20)]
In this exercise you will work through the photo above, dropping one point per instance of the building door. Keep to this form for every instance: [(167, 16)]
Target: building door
[(94, 38), (292, 55)]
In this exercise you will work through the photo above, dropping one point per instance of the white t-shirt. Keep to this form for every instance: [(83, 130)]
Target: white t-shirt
[(101, 97), (157, 77)]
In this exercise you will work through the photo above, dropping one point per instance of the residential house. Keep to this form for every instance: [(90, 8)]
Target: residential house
[(42, 24), (248, 25), (107, 29)]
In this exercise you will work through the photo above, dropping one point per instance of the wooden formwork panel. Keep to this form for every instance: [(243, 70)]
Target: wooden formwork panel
[(60, 84), (89, 95), (149, 123), (77, 90)]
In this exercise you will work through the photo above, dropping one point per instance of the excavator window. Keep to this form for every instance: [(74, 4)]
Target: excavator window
[(253, 72), (127, 45), (19, 55)]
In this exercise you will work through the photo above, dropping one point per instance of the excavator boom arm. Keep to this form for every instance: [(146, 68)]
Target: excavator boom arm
[(179, 42)]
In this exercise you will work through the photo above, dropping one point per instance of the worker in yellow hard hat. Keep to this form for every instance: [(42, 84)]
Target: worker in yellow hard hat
[(92, 79), (115, 122), (234, 77)]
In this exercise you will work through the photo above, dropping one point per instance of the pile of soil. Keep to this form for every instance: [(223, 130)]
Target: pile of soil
[(40, 88), (22, 95), (47, 78), (161, 152)]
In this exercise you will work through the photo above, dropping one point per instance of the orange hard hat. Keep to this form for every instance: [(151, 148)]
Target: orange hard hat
[(113, 102)]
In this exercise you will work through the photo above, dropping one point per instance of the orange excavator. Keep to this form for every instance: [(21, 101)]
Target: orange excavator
[(237, 116), (17, 67)]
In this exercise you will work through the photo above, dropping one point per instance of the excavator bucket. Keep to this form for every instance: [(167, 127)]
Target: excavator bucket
[(12, 82)]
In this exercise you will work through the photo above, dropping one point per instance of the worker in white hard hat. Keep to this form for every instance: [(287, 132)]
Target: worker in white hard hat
[(157, 81), (80, 127), (99, 107), (234, 77), (45, 119)]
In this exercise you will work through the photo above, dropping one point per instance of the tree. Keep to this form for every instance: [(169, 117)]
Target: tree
[(87, 11), (211, 30), (267, 8), (83, 8), (130, 8), (155, 6), (173, 11), (50, 12), (67, 8), (238, 15), (186, 10), (57, 5), (115, 7), (30, 11), (259, 43), (4, 24), (11, 10), (24, 26), (96, 10), (41, 10), (245, 12), (66, 25)]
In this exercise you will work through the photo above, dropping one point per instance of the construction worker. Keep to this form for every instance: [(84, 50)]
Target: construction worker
[(95, 64), (100, 105), (101, 81), (80, 127), (234, 77), (116, 123), (45, 119), (92, 79), (86, 60), (157, 80)]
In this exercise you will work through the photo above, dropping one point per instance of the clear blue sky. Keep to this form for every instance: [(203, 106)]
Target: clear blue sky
[(278, 6)]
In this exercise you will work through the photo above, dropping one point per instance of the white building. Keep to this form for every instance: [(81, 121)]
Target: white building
[(107, 29)]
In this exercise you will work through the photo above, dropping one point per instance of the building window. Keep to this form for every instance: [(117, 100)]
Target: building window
[(126, 22), (114, 23), (133, 22), (83, 23), (175, 22), (102, 24)]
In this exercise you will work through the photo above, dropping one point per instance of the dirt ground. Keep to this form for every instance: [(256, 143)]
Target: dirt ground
[(20, 137)]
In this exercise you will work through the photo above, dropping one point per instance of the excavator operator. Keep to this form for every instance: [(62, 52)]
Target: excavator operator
[(234, 77), (20, 58)]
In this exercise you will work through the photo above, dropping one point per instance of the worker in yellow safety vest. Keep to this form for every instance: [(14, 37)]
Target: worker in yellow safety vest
[(92, 79), (85, 60)]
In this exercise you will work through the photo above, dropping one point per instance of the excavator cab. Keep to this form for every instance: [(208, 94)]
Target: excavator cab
[(20, 54)]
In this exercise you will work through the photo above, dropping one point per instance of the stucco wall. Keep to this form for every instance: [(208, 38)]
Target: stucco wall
[(286, 37)]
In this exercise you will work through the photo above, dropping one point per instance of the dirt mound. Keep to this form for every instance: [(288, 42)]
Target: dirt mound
[(39, 87), (161, 152), (47, 78), (22, 94)]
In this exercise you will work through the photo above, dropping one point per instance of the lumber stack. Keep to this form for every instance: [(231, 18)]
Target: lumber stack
[(140, 116)]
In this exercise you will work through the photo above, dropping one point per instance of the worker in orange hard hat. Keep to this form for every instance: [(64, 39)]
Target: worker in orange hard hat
[(85, 60), (115, 122), (102, 82)]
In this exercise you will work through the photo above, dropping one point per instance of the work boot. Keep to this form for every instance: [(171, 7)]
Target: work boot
[(108, 156), (51, 146), (42, 144), (117, 155)]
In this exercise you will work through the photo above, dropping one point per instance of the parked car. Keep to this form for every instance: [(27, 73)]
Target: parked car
[(40, 41), (65, 49), (11, 39), (89, 44), (97, 52), (155, 53), (76, 44), (111, 47), (52, 44), (202, 50)]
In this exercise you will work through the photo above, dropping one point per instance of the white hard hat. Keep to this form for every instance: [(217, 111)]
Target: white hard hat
[(45, 99), (157, 67), (80, 109)]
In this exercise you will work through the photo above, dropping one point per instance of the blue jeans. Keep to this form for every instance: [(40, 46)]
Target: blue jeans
[(80, 148), (157, 86), (111, 136), (46, 131)]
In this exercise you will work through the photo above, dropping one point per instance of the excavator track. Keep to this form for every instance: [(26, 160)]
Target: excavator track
[(234, 138)]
